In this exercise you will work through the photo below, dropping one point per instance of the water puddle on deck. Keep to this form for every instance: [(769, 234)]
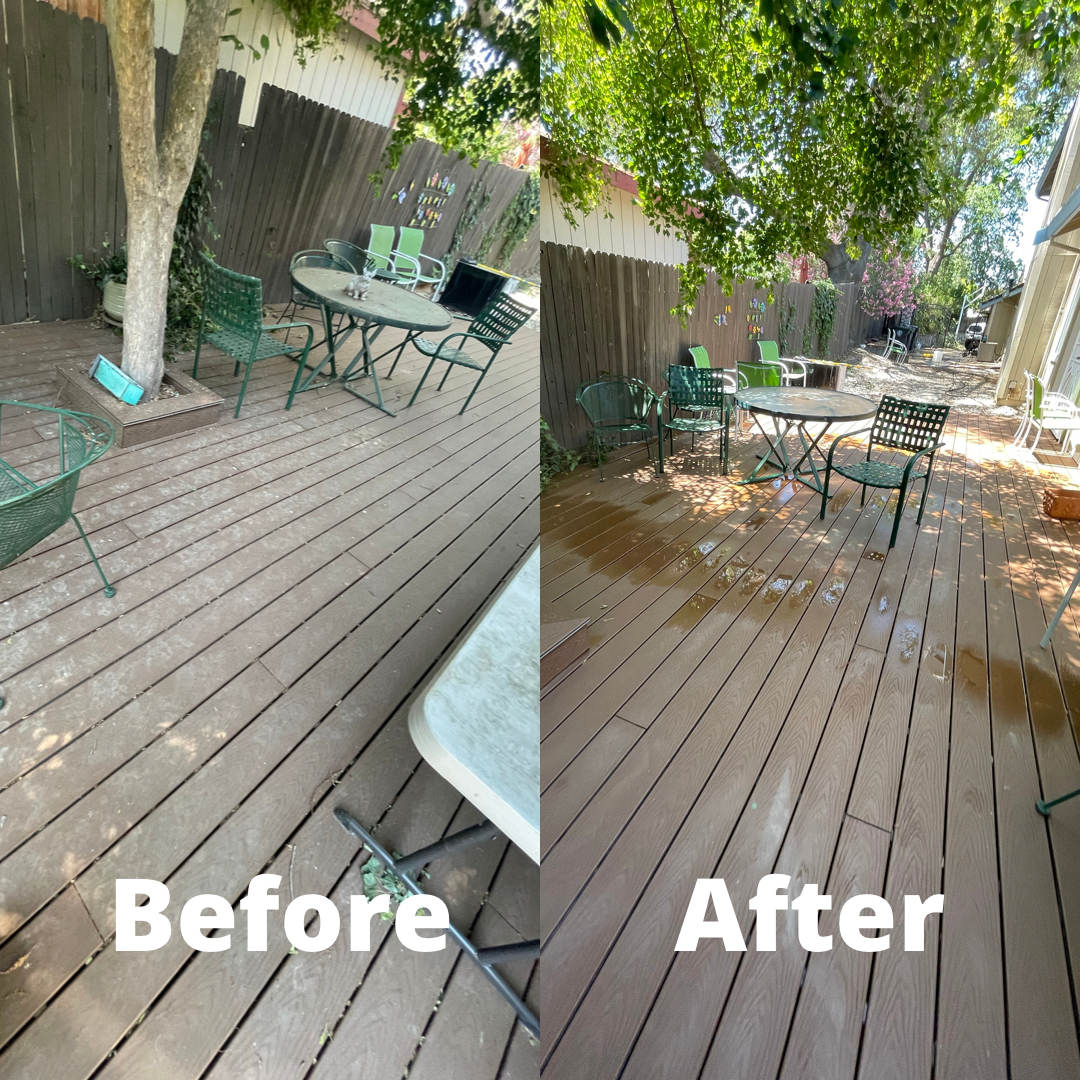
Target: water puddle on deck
[(755, 522), (694, 555), (801, 592), (655, 497), (833, 592), (883, 605), (752, 580), (774, 591), (874, 556), (908, 641), (717, 557), (692, 612), (878, 501), (838, 502), (938, 658)]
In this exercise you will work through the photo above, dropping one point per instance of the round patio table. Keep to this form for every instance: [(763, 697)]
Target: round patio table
[(793, 407), (385, 305)]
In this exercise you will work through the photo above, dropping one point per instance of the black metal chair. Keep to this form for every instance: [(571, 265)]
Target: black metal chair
[(617, 406), (708, 394), (492, 328), (912, 426), (356, 257)]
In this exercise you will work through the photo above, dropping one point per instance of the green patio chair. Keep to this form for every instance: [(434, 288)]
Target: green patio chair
[(700, 356), (380, 251), (792, 371), (410, 241), (617, 406), (1047, 410), (912, 426), (492, 328), (32, 510), (312, 257), (708, 394), (354, 257), (232, 322)]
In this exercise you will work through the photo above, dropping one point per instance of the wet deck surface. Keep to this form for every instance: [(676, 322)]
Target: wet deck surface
[(771, 693), (284, 583)]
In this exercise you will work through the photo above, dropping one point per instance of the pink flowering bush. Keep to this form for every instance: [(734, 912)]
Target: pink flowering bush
[(888, 285)]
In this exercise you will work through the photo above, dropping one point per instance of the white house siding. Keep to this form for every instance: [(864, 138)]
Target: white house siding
[(345, 76), (625, 232)]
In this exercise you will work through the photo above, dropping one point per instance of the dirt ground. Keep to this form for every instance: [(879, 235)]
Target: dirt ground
[(961, 382)]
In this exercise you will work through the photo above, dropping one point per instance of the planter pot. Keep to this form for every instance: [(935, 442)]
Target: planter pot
[(115, 292)]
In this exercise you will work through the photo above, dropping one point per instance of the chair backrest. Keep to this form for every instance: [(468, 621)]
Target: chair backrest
[(233, 301), (500, 319), (615, 400), (381, 246), (354, 257), (698, 387), (761, 374), (322, 260), (700, 356), (410, 240), (769, 352), (908, 425), (1034, 390)]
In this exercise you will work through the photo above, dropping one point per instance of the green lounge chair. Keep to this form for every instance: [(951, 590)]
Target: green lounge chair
[(700, 356), (232, 321), (617, 406), (407, 256), (912, 426), (380, 251), (792, 372)]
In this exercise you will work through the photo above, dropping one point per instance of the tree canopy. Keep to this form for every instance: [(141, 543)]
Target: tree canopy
[(756, 128)]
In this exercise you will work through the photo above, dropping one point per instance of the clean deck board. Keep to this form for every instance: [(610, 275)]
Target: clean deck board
[(770, 693), (285, 582)]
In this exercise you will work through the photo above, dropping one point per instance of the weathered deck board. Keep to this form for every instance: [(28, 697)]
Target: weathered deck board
[(284, 583), (882, 746)]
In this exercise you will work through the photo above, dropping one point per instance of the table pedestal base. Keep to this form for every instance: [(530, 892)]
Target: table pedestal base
[(778, 457), (484, 959)]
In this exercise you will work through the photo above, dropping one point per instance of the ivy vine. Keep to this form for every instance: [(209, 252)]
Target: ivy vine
[(519, 217), (476, 203), (822, 319), (787, 326)]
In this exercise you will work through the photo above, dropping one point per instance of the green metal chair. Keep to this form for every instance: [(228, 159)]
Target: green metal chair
[(912, 426), (298, 299), (792, 372), (410, 241), (31, 510), (354, 257), (492, 328), (699, 354), (708, 394), (617, 406), (232, 322), (380, 251)]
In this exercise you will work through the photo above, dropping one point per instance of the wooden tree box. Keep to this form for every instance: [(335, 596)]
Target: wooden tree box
[(1063, 503)]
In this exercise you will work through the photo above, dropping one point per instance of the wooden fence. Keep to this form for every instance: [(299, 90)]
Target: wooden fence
[(300, 175), (607, 314)]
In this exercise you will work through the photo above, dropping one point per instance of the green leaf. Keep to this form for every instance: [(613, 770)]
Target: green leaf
[(235, 11), (265, 41)]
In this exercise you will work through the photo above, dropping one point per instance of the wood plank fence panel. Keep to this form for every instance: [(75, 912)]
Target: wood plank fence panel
[(299, 176), (609, 314)]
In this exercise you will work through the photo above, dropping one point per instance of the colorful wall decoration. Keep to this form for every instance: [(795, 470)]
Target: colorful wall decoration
[(428, 212)]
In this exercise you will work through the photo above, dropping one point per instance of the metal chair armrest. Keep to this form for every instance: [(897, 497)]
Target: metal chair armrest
[(915, 457), (415, 268), (847, 435)]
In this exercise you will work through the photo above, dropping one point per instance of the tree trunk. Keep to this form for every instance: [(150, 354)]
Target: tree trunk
[(842, 268), (156, 176)]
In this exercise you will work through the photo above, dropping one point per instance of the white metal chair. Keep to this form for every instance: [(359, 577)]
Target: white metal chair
[(1044, 410), (894, 347), (792, 371)]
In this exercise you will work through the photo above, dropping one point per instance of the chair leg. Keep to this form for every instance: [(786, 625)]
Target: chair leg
[(243, 388), (198, 349), (446, 375), (659, 448), (421, 382), (1038, 434), (824, 497), (109, 590), (862, 501), (300, 369), (599, 453), (899, 513), (922, 501), (472, 391)]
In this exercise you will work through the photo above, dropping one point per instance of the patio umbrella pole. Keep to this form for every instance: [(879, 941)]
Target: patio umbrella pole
[(482, 958)]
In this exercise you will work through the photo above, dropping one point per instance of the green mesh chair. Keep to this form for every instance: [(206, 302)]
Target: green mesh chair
[(407, 256), (32, 510), (492, 329), (792, 372), (708, 395), (380, 251), (232, 322), (354, 257), (912, 426), (298, 299), (616, 407)]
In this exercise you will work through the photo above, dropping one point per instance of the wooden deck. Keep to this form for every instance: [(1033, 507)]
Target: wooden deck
[(770, 693), (285, 581)]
